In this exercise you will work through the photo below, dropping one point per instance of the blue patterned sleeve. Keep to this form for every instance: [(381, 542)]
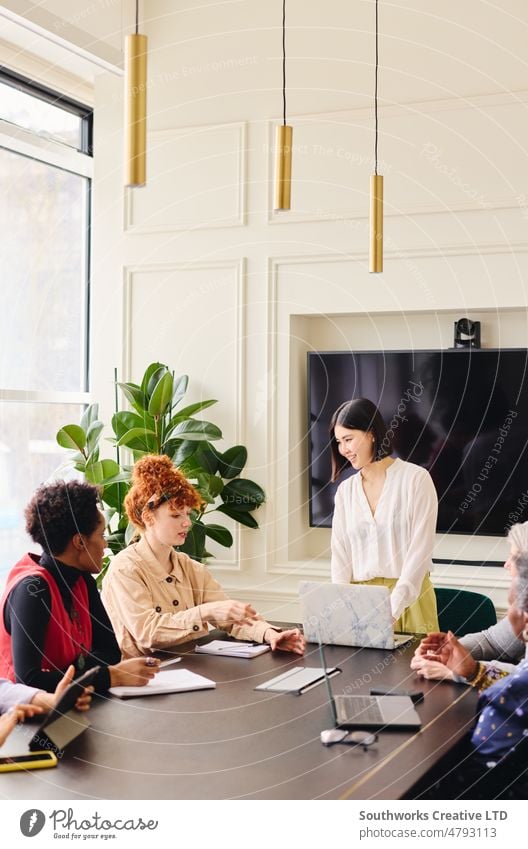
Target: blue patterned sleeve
[(503, 715)]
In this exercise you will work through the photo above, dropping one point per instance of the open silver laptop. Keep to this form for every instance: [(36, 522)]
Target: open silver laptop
[(348, 615), (372, 712)]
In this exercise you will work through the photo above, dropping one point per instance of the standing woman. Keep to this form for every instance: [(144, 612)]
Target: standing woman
[(384, 517), (157, 597)]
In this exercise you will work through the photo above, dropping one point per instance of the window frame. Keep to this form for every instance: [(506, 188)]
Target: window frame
[(84, 112), (19, 140)]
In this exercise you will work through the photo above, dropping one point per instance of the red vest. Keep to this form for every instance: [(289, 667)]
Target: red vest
[(65, 638)]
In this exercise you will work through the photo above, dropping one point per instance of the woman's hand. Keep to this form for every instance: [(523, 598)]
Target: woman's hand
[(135, 672), (291, 640), (228, 612), (431, 669), (14, 716), (47, 701), (446, 649), (431, 644)]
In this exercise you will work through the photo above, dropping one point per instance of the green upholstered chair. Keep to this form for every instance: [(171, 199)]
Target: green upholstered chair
[(464, 612)]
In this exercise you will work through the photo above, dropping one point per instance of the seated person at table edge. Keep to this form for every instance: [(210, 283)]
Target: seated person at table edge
[(51, 614), (158, 597), (494, 763), (497, 644), (19, 702)]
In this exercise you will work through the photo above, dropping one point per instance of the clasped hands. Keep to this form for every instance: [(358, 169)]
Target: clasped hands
[(441, 656)]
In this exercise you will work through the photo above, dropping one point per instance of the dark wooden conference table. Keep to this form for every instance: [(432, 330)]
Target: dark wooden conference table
[(235, 743)]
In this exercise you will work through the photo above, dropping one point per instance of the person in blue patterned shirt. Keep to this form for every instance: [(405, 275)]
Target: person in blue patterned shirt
[(493, 764)]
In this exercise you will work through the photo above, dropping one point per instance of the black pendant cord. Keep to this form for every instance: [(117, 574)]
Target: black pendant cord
[(376, 98), (284, 62), (137, 16)]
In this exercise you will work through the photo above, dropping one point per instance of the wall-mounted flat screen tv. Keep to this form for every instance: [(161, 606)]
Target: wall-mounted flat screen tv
[(461, 413)]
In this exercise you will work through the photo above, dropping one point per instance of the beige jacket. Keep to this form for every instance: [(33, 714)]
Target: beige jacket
[(152, 610)]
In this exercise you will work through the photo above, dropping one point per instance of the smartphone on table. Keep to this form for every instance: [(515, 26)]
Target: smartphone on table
[(31, 760)]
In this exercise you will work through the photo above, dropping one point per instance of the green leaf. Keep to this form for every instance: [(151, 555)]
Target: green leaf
[(187, 412), (243, 517), (150, 371), (129, 533), (212, 483), (139, 438), (180, 388), (108, 513), (196, 430), (72, 436), (92, 435), (220, 535), (121, 477), (209, 486), (134, 394), (232, 461), (91, 414), (161, 396), (125, 420), (179, 450), (93, 457), (243, 494), (115, 541), (206, 457), (114, 495), (101, 471), (104, 569), (155, 379)]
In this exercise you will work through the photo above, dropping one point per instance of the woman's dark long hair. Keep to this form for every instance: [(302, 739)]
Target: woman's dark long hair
[(358, 414)]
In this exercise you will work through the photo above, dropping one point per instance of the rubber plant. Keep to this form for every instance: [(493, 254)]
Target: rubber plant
[(157, 424)]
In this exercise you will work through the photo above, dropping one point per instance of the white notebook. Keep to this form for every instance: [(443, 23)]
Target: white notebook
[(227, 648), (171, 681)]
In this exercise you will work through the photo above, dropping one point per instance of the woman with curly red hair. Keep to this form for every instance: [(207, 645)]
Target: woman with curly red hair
[(157, 597)]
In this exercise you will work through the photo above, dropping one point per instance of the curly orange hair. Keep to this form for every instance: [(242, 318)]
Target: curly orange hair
[(155, 480)]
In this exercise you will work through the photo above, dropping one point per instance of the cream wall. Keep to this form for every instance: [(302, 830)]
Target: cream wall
[(198, 271)]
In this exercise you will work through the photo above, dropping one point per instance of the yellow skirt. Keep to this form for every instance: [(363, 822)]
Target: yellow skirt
[(421, 616)]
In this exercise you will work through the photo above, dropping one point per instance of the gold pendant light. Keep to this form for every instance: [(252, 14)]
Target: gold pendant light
[(283, 139), (376, 187), (136, 107)]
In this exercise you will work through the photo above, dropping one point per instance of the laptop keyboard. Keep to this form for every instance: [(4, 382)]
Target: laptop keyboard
[(358, 709)]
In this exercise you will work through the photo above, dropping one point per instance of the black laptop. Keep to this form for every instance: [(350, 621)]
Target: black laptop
[(375, 713)]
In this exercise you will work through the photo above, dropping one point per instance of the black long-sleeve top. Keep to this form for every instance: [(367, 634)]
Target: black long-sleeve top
[(26, 616)]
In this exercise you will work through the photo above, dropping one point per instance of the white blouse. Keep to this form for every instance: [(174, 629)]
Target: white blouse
[(397, 542)]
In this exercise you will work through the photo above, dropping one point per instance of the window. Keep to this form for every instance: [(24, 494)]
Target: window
[(45, 177), (44, 112)]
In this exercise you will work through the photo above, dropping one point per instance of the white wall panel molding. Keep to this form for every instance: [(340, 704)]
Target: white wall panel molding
[(162, 319), (438, 156), (458, 249), (196, 180)]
